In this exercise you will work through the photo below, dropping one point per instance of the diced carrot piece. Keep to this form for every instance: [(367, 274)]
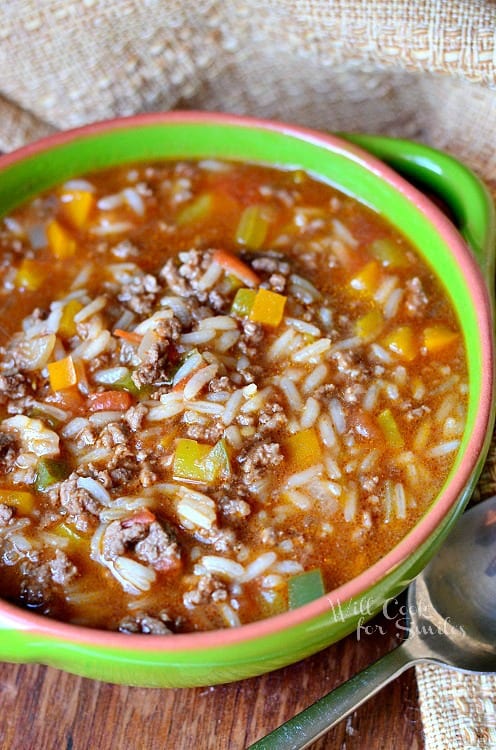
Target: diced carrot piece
[(30, 275), (134, 338), (144, 516), (233, 265), (67, 326), (60, 241), (62, 373), (109, 401), (439, 337), (367, 279), (70, 399), (303, 449), (403, 343), (23, 501), (76, 206), (369, 325), (268, 308)]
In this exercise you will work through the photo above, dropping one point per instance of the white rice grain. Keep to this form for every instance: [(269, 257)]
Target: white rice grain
[(302, 326), (298, 498), (337, 416), (288, 567), (74, 427), (380, 353), (400, 500), (233, 436), (310, 414), (101, 418), (343, 233), (106, 228), (258, 566), (371, 396), (385, 290), (91, 309), (134, 201), (292, 393), (392, 305), (227, 340), (206, 407), (133, 576), (350, 504), (281, 345), (326, 431), (218, 323), (232, 407), (303, 477), (90, 349), (313, 352), (197, 337), (222, 566), (229, 615), (315, 378), (444, 449), (95, 489)]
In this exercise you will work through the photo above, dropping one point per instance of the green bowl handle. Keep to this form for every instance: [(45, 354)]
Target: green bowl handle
[(441, 176)]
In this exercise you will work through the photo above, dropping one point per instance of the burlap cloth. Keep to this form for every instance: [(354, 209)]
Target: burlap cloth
[(424, 70)]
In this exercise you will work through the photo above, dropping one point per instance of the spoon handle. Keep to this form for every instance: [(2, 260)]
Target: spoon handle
[(311, 723)]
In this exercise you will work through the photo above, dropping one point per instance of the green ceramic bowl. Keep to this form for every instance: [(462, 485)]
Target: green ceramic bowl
[(222, 656)]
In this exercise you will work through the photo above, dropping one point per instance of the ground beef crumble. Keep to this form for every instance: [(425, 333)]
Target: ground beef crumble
[(208, 588), (151, 543), (148, 624), (256, 459), (140, 294), (9, 449), (6, 515), (82, 507)]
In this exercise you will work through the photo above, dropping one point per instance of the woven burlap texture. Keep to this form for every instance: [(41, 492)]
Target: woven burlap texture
[(423, 70)]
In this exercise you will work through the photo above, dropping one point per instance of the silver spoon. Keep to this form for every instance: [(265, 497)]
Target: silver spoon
[(452, 609)]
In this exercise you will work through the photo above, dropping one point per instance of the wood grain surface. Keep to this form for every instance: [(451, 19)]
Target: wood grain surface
[(44, 709)]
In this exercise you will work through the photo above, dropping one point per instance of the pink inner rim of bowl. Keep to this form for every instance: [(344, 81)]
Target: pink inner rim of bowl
[(39, 626)]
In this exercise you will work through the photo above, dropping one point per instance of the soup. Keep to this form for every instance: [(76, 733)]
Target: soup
[(226, 389)]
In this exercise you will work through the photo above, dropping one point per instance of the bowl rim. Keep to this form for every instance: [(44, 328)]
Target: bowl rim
[(12, 616)]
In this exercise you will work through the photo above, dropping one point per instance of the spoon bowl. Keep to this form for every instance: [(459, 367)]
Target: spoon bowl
[(452, 612)]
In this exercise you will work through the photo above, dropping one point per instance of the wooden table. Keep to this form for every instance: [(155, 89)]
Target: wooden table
[(44, 709)]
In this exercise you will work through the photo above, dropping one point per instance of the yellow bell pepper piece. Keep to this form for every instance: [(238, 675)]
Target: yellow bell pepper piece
[(68, 532), (76, 206), (367, 279), (390, 429), (30, 275), (438, 337), (23, 501), (62, 373), (268, 308), (198, 210), (369, 325), (403, 343), (67, 326), (253, 226), (199, 462), (60, 241), (303, 449), (218, 462), (243, 302), (389, 253)]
